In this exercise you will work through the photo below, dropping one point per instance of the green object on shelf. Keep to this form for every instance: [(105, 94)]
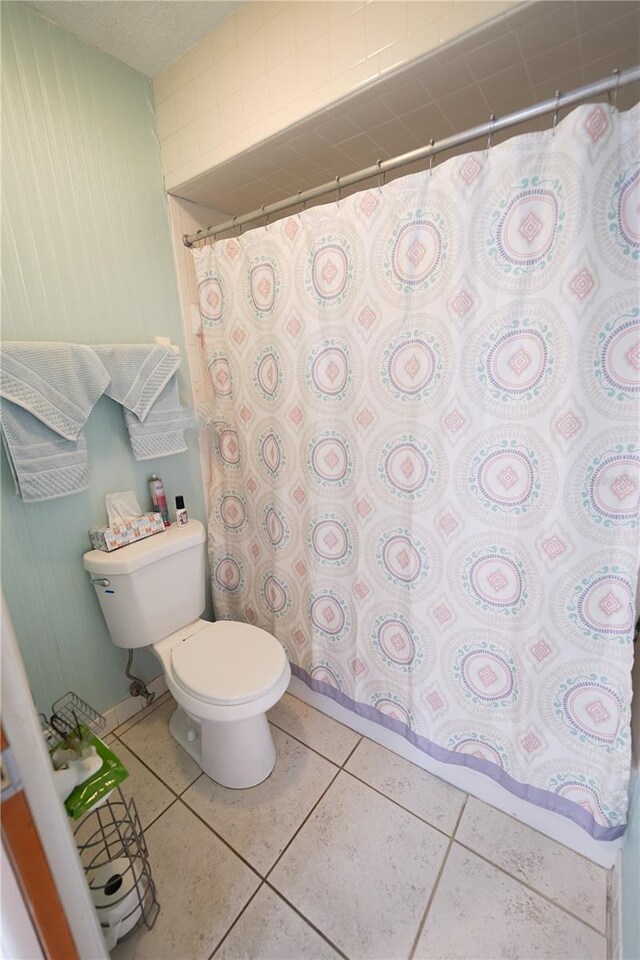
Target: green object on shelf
[(97, 786)]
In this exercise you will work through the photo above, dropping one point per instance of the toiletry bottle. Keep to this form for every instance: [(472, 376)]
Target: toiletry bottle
[(158, 499), (182, 517)]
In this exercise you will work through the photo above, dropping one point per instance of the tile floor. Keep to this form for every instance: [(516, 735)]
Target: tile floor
[(347, 850)]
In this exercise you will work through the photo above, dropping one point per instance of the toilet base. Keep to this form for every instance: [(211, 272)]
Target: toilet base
[(236, 754)]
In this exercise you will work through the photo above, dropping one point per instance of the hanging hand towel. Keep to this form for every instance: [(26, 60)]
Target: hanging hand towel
[(143, 382), (48, 391)]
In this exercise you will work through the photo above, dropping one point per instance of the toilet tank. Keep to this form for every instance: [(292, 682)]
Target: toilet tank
[(149, 589)]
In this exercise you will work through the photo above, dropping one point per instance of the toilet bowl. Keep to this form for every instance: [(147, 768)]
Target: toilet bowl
[(224, 676)]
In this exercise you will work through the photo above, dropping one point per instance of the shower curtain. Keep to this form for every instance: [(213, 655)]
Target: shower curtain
[(426, 464)]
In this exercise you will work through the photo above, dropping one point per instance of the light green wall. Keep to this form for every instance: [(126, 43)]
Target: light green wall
[(86, 257)]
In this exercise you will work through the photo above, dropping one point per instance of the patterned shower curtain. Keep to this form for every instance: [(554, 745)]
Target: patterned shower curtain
[(426, 465)]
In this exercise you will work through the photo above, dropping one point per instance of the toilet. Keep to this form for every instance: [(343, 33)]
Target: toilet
[(224, 676)]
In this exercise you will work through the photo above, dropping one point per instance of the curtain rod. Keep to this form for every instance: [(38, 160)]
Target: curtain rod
[(552, 105)]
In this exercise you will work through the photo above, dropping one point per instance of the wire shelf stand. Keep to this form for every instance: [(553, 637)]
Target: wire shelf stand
[(110, 839), (114, 854)]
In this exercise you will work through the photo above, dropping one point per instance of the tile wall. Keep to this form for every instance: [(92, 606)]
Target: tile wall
[(273, 63), (188, 217)]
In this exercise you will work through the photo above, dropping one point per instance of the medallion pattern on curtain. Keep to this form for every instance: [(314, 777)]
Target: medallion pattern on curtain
[(426, 464)]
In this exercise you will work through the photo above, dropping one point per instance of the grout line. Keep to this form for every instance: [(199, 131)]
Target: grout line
[(363, 737), (295, 909), (421, 926), (178, 796), (291, 839), (538, 833), (406, 809), (221, 838), (193, 783), (533, 889), (305, 744), (351, 753), (460, 816), (155, 819), (154, 772), (609, 916), (225, 935)]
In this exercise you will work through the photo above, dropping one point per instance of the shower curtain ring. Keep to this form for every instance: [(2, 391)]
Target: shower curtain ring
[(492, 121), (300, 203), (337, 191), (266, 217), (432, 144), (555, 113), (613, 101), (380, 174)]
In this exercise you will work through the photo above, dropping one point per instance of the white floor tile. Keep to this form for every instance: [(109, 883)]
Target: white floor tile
[(260, 821), (151, 740), (560, 874), (271, 930), (150, 794), (434, 800), (362, 869), (479, 912), (202, 887), (322, 733)]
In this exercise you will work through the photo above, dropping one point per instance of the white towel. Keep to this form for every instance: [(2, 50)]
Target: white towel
[(48, 391), (143, 382)]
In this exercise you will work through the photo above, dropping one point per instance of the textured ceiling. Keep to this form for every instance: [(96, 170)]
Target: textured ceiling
[(148, 35)]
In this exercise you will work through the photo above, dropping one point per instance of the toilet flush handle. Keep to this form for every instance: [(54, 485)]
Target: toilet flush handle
[(100, 581)]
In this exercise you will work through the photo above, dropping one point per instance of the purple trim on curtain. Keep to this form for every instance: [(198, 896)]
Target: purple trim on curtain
[(541, 798)]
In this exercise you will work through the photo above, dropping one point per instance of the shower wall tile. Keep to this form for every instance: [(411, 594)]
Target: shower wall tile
[(252, 53), (205, 91), (457, 63), (201, 56), (166, 118), (347, 43), (386, 23), (188, 217), (421, 14), (311, 21), (271, 65), (181, 72)]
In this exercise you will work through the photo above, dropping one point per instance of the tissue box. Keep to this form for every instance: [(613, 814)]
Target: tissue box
[(120, 534)]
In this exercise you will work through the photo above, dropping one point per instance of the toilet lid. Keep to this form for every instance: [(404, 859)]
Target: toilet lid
[(228, 662)]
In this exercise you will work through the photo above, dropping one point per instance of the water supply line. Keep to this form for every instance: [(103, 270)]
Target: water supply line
[(138, 687)]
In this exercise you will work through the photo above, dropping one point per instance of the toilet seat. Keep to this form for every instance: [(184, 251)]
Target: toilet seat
[(228, 663)]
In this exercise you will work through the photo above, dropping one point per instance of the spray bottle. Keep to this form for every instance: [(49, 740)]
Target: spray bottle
[(158, 499)]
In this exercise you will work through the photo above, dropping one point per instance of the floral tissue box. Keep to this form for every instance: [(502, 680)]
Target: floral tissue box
[(120, 534)]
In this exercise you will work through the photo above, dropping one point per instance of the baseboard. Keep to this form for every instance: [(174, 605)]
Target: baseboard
[(552, 824), (126, 709)]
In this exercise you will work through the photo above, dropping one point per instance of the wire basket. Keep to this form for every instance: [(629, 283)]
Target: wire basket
[(114, 854), (73, 710)]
